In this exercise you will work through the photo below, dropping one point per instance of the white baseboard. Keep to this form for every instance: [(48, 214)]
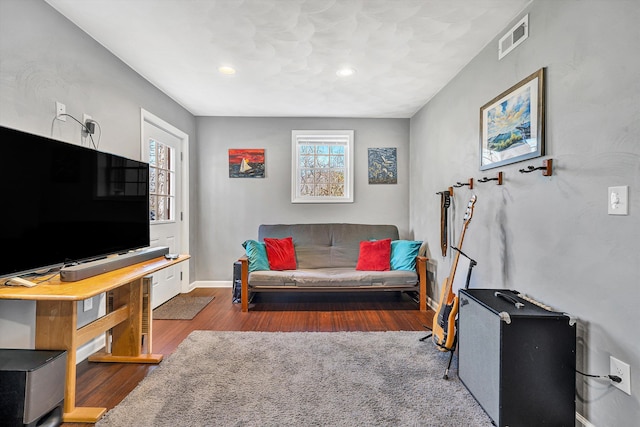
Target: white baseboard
[(212, 284), (89, 348), (582, 420)]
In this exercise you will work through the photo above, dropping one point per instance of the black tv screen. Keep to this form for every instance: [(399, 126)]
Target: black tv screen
[(63, 203)]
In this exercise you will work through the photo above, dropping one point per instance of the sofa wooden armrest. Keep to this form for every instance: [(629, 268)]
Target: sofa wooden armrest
[(421, 267)]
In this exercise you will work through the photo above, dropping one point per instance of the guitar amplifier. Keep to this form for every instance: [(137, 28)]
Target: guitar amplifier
[(516, 358), (32, 387)]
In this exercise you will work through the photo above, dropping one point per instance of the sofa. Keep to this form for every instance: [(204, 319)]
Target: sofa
[(332, 257)]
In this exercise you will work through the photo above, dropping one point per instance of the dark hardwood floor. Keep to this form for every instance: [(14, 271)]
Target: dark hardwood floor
[(106, 384)]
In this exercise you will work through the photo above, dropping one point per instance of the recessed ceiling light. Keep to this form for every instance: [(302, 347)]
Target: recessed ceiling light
[(225, 69), (346, 72)]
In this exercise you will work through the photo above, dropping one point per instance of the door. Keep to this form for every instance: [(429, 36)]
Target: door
[(163, 148)]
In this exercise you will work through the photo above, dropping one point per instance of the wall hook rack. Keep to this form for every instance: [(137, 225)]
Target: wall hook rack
[(461, 184), (449, 190), (546, 168), (498, 178)]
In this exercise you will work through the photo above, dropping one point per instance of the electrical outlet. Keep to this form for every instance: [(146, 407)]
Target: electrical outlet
[(85, 119), (87, 304), (622, 370), (61, 109)]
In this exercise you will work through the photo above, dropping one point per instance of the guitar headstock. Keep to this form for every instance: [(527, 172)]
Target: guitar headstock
[(469, 213)]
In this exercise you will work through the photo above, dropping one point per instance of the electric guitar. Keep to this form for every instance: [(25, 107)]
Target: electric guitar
[(444, 321)]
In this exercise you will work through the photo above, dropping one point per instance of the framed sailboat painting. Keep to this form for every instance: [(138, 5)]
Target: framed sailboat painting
[(246, 162)]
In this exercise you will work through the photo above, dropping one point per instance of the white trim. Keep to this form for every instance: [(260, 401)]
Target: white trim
[(212, 284), (96, 344), (323, 137), (582, 420), (188, 287), (152, 119)]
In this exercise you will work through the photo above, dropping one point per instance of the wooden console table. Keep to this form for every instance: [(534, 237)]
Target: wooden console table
[(57, 316)]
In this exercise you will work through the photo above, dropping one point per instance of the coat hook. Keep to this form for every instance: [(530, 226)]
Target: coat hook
[(498, 178), (546, 168), (460, 184)]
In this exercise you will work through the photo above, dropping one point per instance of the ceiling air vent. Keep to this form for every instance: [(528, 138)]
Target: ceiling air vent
[(514, 37)]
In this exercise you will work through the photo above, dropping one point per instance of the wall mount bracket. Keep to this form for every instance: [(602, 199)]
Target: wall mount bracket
[(546, 168), (497, 178), (461, 184)]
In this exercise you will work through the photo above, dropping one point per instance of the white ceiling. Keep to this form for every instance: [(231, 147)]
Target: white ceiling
[(287, 52)]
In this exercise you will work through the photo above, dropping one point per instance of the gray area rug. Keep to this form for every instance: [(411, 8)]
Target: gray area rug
[(300, 379), (181, 307)]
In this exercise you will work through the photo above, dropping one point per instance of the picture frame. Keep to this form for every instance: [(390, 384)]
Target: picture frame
[(383, 165), (512, 124), (246, 163)]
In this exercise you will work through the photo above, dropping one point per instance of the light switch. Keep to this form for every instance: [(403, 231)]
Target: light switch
[(618, 200)]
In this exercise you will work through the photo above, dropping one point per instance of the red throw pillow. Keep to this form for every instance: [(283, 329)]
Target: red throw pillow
[(375, 255), (281, 253)]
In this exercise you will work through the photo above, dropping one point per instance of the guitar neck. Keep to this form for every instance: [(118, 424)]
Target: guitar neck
[(454, 266)]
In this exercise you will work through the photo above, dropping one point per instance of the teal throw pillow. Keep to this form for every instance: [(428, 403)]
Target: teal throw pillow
[(257, 255), (404, 253)]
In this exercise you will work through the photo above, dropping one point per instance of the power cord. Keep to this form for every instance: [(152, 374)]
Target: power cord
[(614, 378), (90, 125), (88, 128)]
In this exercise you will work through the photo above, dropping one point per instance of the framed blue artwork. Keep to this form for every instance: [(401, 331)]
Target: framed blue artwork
[(383, 166)]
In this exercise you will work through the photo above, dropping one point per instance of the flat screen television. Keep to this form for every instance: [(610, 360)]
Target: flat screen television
[(64, 203)]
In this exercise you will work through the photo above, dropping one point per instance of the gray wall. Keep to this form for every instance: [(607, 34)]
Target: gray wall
[(231, 209), (45, 58), (551, 237)]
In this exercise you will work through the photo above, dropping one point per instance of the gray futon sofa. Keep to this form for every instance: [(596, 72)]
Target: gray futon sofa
[(326, 257)]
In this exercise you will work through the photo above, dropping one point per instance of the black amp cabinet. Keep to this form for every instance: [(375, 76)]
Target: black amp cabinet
[(32, 387), (517, 359)]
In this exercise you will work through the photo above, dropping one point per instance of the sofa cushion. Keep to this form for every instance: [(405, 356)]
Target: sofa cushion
[(281, 253), (257, 255), (404, 253), (374, 255), (327, 245), (332, 277)]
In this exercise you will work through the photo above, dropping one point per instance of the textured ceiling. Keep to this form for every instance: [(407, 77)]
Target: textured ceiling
[(287, 52)]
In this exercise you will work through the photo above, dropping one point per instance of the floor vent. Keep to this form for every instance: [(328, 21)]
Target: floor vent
[(514, 37)]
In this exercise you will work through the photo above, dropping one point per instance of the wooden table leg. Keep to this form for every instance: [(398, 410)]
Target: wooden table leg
[(56, 323), (127, 335)]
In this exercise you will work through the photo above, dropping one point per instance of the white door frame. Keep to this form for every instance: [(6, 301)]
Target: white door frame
[(147, 117)]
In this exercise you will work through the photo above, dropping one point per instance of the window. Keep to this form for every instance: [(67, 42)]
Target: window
[(322, 166), (161, 182)]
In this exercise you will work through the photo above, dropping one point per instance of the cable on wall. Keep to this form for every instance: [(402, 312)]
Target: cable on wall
[(88, 128), (614, 378)]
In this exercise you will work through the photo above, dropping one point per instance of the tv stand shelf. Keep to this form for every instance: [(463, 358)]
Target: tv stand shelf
[(57, 316)]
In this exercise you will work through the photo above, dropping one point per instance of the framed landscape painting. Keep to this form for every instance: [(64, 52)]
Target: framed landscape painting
[(512, 124), (246, 163)]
